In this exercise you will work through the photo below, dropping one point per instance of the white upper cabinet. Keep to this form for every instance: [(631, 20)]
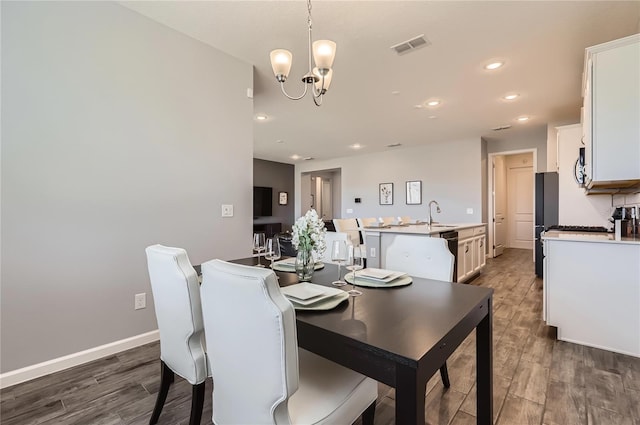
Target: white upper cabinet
[(612, 113)]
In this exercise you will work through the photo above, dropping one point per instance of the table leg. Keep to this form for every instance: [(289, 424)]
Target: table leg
[(484, 368), (410, 393)]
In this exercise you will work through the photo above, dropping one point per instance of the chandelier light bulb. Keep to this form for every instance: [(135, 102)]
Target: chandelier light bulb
[(281, 60), (324, 52)]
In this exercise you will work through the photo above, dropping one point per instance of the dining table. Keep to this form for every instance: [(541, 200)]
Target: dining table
[(401, 335)]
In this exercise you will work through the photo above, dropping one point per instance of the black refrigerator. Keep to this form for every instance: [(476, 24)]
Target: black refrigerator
[(546, 211)]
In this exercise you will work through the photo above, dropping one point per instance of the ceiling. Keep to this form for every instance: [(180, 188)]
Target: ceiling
[(373, 96)]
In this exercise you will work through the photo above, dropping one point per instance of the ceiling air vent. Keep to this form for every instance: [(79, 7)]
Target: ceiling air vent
[(410, 45), (502, 127)]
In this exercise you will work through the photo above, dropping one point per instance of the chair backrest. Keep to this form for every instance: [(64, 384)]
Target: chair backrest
[(389, 220), (254, 345), (424, 257), (176, 296), (349, 226), (329, 237), (363, 222), (286, 246)]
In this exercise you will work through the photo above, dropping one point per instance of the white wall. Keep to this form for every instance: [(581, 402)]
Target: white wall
[(450, 174), (117, 133), (574, 207)]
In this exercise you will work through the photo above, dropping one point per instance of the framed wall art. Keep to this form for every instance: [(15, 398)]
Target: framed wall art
[(386, 194), (414, 192)]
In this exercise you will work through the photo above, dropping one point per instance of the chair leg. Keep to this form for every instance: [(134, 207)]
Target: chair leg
[(369, 414), (166, 379), (444, 374), (197, 401)]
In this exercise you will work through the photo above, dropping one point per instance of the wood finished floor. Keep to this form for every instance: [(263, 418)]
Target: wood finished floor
[(537, 380)]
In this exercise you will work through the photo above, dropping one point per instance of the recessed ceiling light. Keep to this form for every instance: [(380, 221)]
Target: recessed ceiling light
[(395, 92), (418, 106), (295, 157), (434, 102), (394, 145), (261, 117), (279, 141), (432, 117), (510, 96), (493, 65), (523, 119), (355, 146)]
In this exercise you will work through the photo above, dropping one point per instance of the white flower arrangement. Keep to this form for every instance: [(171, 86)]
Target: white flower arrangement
[(308, 233)]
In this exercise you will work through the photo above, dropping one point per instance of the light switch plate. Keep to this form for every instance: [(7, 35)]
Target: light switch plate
[(227, 210), (469, 210), (349, 210)]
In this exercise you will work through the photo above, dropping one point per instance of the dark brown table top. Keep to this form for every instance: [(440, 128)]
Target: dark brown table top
[(402, 322)]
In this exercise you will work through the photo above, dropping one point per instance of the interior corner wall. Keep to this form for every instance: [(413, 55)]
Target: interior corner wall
[(117, 133), (536, 138), (450, 173), (279, 177)]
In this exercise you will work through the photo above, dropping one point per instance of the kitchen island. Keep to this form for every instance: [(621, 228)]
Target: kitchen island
[(470, 244), (592, 289)]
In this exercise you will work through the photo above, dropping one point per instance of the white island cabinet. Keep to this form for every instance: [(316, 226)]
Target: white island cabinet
[(592, 290)]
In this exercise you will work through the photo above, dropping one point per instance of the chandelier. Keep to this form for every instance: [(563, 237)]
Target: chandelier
[(318, 77)]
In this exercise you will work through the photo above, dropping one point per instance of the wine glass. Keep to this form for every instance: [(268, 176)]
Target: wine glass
[(339, 254), (355, 263), (273, 250), (258, 245)]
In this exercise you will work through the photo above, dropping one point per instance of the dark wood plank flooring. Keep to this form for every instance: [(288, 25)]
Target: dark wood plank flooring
[(537, 380)]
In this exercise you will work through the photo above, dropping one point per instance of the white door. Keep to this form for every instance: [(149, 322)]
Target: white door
[(326, 212), (520, 207), (499, 205)]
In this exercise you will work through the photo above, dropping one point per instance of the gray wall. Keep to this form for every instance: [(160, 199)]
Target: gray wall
[(450, 173), (535, 138), (117, 133), (278, 176)]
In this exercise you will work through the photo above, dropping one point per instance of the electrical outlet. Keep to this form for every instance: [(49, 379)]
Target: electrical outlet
[(469, 210), (349, 210), (227, 210), (372, 252), (140, 301)]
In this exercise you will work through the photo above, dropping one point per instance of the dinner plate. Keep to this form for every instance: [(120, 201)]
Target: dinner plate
[(380, 275), (401, 281), (326, 304), (302, 292), (328, 297), (289, 265)]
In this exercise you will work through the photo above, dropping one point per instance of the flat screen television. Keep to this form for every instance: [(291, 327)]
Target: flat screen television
[(262, 201)]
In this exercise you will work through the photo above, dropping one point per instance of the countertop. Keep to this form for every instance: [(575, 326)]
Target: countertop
[(423, 229), (589, 237)]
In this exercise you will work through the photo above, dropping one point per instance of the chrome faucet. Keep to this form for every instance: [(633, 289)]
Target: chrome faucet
[(437, 210)]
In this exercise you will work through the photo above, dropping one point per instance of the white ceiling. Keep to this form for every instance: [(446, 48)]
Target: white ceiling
[(542, 43)]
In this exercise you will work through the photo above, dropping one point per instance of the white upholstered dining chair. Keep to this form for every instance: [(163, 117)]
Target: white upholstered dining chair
[(176, 296), (261, 376), (329, 238), (423, 257)]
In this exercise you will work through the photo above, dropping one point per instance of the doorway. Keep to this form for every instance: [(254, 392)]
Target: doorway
[(320, 190), (511, 200)]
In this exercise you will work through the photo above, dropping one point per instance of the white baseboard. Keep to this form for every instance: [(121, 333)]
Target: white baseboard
[(55, 365)]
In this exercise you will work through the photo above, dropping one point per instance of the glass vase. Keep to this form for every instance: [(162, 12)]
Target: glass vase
[(305, 265)]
